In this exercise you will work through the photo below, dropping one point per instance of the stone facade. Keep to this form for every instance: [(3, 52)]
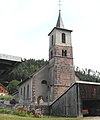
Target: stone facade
[(61, 62), (40, 84), (25, 92), (34, 87)]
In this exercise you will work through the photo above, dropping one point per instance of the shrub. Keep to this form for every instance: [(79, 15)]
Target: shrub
[(21, 111), (6, 111), (6, 97)]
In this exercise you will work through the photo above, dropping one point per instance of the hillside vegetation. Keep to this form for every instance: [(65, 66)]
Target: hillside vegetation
[(23, 70), (88, 75)]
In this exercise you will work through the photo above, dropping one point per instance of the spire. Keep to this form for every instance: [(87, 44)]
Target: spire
[(59, 21)]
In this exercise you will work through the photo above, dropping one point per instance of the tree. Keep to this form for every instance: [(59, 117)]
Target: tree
[(13, 86), (25, 69), (87, 75)]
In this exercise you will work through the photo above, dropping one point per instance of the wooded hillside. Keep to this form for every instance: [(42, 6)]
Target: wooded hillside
[(23, 70)]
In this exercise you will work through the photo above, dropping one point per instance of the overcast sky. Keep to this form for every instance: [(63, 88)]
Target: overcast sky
[(25, 24)]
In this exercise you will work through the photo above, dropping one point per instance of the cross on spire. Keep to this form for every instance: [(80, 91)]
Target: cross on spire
[(59, 21), (59, 5)]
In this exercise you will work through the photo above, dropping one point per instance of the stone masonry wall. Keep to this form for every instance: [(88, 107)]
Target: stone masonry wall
[(62, 72)]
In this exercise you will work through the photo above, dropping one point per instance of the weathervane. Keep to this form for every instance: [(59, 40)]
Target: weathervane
[(59, 5)]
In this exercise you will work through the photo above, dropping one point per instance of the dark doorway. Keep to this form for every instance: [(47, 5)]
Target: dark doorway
[(91, 107)]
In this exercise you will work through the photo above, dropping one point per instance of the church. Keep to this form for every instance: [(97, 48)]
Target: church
[(56, 86)]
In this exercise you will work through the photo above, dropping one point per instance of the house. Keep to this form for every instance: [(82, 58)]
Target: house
[(3, 90)]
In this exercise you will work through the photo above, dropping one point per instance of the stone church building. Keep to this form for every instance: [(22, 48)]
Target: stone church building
[(55, 84), (58, 74)]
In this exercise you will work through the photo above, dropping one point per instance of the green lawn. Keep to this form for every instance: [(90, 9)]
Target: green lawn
[(15, 117)]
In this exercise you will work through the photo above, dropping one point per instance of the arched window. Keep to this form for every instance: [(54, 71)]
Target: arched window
[(24, 93), (63, 38), (51, 54), (64, 52), (21, 91), (27, 91), (44, 82), (52, 40)]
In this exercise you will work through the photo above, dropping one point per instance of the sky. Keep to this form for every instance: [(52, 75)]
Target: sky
[(25, 24)]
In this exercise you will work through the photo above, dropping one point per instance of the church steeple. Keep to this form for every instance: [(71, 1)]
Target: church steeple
[(59, 21), (61, 70)]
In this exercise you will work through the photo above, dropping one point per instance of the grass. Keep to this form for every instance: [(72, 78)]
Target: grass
[(15, 117)]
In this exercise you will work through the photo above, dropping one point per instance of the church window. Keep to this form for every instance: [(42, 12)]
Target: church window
[(52, 40), (64, 52), (24, 93), (21, 91), (44, 82), (63, 38), (27, 91), (51, 54)]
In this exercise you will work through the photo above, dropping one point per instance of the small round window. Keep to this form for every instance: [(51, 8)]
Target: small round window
[(44, 82)]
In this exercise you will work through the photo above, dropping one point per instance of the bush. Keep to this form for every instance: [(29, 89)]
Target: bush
[(21, 111), (6, 97), (6, 111), (24, 114)]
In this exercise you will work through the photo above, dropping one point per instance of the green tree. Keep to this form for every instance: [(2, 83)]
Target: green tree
[(25, 69), (13, 86), (87, 75), (6, 97)]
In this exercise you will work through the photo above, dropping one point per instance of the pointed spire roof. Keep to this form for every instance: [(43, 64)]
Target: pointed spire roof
[(59, 21), (59, 25)]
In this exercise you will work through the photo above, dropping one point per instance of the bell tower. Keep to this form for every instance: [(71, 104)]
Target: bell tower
[(61, 74)]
